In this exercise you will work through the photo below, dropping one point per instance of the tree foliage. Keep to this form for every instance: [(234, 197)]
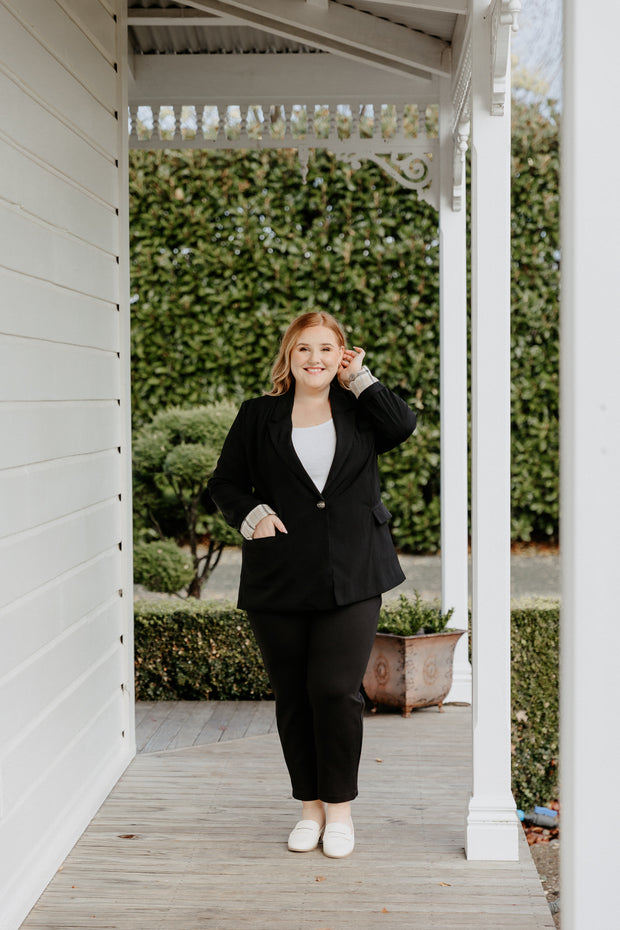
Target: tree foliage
[(228, 246)]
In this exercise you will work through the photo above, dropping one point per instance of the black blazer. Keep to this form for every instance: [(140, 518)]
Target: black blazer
[(338, 547)]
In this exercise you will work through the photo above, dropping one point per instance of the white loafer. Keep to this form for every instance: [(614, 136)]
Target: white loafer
[(305, 836), (338, 840)]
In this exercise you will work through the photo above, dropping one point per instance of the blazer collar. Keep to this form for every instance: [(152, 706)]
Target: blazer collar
[(281, 428)]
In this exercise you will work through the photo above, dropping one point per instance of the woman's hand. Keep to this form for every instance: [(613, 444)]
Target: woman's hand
[(268, 526), (351, 364)]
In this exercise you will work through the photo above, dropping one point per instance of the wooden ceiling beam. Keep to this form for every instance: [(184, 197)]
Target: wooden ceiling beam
[(287, 78), (342, 31)]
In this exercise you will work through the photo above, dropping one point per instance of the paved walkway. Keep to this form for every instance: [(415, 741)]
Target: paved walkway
[(196, 837), (534, 574)]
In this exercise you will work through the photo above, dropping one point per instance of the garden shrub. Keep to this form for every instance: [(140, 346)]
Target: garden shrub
[(406, 617), (535, 701), (160, 565)]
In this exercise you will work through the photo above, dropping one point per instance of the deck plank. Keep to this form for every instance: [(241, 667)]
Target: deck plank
[(264, 719), (196, 837), (197, 715)]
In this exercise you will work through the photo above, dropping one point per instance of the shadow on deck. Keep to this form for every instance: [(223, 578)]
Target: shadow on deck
[(194, 836)]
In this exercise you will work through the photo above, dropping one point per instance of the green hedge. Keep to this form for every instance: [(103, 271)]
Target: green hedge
[(535, 643), (227, 246), (193, 650)]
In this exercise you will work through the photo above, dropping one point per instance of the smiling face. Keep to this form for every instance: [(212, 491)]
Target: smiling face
[(315, 357)]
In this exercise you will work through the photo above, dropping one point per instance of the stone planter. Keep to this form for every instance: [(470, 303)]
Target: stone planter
[(411, 671)]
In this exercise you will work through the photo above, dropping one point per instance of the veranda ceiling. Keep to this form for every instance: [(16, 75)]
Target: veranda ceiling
[(221, 73), (168, 27)]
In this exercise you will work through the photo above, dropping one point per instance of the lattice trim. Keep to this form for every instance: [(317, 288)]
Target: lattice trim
[(402, 140)]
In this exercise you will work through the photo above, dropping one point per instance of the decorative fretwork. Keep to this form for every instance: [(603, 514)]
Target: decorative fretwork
[(504, 20), (461, 120), (412, 170), (461, 143), (401, 139)]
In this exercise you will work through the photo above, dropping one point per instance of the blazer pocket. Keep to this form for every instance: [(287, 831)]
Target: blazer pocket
[(381, 514), (264, 540)]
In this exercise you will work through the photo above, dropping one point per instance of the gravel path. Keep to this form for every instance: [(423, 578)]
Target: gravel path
[(535, 573)]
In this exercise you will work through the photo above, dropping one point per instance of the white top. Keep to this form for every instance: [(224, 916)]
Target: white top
[(315, 447)]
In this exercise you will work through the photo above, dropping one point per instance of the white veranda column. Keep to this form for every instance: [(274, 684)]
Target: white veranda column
[(453, 394), (590, 467), (492, 825)]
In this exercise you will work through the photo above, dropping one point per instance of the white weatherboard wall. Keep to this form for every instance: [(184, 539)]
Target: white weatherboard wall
[(66, 728), (590, 470)]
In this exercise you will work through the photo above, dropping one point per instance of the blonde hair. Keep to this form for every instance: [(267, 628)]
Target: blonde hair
[(281, 371)]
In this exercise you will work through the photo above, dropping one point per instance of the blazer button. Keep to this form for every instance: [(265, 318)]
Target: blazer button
[(321, 505)]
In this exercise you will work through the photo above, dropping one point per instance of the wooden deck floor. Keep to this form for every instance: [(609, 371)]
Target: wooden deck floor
[(194, 836), (181, 724)]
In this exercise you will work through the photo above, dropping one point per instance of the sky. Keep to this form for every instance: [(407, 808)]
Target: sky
[(538, 43)]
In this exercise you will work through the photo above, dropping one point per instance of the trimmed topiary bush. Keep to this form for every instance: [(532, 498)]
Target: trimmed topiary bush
[(160, 565), (174, 456)]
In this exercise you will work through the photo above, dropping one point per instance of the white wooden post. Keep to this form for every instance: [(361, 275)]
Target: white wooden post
[(453, 394), (590, 467), (492, 825)]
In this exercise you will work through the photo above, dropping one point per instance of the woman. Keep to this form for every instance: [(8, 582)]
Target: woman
[(298, 476)]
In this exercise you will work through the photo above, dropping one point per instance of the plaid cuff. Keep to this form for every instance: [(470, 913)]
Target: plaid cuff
[(253, 519), (361, 381)]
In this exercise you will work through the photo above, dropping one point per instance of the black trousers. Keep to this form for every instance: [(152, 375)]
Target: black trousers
[(316, 662)]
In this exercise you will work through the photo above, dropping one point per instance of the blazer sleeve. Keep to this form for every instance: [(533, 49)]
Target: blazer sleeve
[(231, 484), (391, 419)]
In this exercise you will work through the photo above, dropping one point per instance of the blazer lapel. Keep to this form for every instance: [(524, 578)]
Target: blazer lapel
[(343, 413), (280, 428)]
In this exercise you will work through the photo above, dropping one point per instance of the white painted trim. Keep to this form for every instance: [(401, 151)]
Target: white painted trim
[(589, 467), (342, 31), (492, 825), (453, 395), (125, 398), (504, 21), (460, 144)]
